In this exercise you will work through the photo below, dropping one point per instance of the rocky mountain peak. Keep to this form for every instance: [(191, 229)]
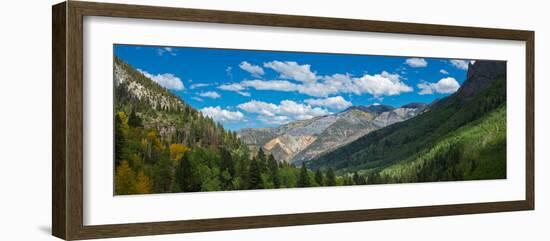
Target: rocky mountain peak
[(375, 109), (136, 86), (480, 76), (414, 105)]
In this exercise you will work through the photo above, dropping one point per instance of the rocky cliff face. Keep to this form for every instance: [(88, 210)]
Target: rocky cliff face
[(480, 76), (375, 109), (156, 97), (303, 140), (348, 126), (400, 114), (286, 140), (132, 87)]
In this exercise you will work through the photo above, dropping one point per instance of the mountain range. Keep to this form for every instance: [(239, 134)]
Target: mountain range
[(303, 140)]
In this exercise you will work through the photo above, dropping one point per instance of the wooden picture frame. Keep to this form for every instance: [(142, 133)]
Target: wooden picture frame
[(67, 124)]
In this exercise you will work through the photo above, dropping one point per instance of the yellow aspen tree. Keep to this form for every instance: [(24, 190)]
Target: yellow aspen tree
[(125, 182), (177, 150), (143, 183), (124, 119)]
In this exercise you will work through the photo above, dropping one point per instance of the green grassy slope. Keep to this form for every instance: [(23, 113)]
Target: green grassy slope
[(475, 151)]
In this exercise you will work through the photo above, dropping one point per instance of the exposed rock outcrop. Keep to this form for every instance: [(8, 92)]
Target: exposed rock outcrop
[(480, 76)]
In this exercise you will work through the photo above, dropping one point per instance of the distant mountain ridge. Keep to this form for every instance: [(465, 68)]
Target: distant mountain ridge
[(377, 108), (302, 140)]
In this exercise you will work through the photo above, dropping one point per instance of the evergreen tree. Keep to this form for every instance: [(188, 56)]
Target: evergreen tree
[(243, 173), (255, 176), (358, 179), (226, 162), (227, 169), (162, 178), (134, 120), (374, 178), (120, 139), (348, 181), (331, 178), (274, 171), (473, 166), (303, 178), (262, 160), (186, 174), (319, 177)]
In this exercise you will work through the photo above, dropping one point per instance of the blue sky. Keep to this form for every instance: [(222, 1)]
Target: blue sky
[(250, 88)]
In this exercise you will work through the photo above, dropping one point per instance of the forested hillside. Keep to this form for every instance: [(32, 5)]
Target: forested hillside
[(476, 151), (423, 137), (164, 145)]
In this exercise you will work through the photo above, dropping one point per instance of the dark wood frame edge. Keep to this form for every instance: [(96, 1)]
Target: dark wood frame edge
[(67, 53), (59, 195)]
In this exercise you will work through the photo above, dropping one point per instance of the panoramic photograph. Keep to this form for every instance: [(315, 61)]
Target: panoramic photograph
[(189, 119)]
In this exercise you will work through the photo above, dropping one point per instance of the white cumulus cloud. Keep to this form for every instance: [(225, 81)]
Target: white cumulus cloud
[(460, 64), (254, 70), (168, 81), (243, 93), (235, 87), (274, 120), (444, 86), (292, 70), (443, 71), (300, 111), (279, 85), (376, 85), (198, 85), (382, 84), (222, 115), (169, 50), (337, 102), (231, 87), (259, 107), (299, 78), (210, 94), (340, 83), (285, 111), (416, 62)]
